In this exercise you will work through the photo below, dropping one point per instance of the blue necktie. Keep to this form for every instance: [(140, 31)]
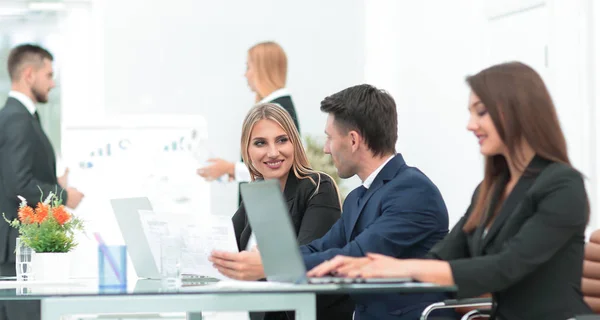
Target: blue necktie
[(360, 192)]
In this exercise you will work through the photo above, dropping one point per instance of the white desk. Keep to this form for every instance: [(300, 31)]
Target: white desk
[(303, 303), (151, 297)]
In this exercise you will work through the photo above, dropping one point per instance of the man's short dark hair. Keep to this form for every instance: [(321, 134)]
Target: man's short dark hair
[(23, 54), (369, 111)]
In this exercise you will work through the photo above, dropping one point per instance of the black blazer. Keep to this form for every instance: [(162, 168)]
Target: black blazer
[(531, 258), (27, 161), (312, 216), (288, 105)]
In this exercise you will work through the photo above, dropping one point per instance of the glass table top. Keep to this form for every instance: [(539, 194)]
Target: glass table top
[(32, 290)]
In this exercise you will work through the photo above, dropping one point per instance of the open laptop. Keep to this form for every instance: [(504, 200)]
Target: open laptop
[(276, 238), (138, 247)]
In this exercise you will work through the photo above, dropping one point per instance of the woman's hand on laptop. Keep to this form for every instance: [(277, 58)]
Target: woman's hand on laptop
[(245, 265), (378, 266), (335, 265), (381, 266)]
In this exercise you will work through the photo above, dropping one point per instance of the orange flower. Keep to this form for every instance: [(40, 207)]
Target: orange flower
[(26, 215), (61, 214), (41, 212)]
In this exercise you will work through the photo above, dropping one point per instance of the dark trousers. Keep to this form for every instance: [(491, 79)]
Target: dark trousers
[(17, 309), (337, 307), (8, 270)]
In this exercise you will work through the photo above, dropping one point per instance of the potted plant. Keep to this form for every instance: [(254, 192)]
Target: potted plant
[(322, 162), (49, 230)]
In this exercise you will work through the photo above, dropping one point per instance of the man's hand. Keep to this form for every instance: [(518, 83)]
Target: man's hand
[(74, 197), (337, 264), (245, 265), (217, 168), (64, 179)]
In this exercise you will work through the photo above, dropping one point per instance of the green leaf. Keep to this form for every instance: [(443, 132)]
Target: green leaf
[(49, 236)]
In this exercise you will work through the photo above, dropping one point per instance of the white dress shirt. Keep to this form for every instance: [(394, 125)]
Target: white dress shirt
[(275, 95), (251, 242), (369, 180)]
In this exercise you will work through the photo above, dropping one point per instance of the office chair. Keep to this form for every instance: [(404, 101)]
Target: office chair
[(590, 283), (469, 304)]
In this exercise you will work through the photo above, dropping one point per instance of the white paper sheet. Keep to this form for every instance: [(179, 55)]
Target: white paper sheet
[(199, 239), (155, 227)]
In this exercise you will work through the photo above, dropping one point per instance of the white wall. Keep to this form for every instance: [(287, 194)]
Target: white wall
[(571, 61), (421, 51)]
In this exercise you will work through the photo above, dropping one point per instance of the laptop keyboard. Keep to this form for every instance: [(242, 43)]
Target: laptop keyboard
[(335, 280)]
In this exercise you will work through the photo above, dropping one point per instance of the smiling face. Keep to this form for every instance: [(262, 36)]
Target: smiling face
[(481, 124), (270, 150)]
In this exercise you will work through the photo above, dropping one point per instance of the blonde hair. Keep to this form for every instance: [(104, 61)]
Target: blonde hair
[(301, 166), (270, 62)]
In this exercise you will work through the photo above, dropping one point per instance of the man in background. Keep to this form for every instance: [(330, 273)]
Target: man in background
[(27, 159)]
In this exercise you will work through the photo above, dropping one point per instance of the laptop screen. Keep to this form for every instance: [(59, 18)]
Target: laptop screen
[(272, 226), (138, 248)]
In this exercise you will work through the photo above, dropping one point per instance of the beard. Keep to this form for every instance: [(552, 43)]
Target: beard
[(39, 96), (345, 171)]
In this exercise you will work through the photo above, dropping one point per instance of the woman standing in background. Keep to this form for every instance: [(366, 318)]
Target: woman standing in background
[(266, 72)]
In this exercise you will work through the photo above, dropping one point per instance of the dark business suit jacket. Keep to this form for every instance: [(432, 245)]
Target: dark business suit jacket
[(312, 215), (288, 105), (531, 258), (402, 215), (27, 164)]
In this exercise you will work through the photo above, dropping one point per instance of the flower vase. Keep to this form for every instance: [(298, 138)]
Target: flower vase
[(52, 266)]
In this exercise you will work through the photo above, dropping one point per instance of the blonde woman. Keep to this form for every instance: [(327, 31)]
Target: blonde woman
[(271, 149), (266, 72)]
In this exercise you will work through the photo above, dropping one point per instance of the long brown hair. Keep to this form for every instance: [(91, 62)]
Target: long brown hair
[(301, 166), (522, 110), (270, 63)]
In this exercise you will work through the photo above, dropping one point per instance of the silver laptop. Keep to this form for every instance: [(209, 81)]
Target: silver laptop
[(127, 214), (276, 238), (138, 248)]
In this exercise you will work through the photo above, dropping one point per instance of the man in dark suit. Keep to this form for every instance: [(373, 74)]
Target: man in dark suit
[(397, 211), (27, 159)]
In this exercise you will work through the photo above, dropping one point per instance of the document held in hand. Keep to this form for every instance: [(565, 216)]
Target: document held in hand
[(199, 237)]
